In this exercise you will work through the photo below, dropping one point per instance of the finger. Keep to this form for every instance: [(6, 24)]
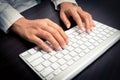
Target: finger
[(77, 19), (85, 16), (41, 44), (65, 19), (87, 22), (60, 30), (91, 24), (63, 34), (91, 20), (56, 35), (48, 36)]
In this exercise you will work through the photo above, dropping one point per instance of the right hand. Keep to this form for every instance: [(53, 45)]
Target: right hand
[(35, 30)]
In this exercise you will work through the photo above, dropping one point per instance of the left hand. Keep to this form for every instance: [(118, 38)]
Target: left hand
[(68, 9)]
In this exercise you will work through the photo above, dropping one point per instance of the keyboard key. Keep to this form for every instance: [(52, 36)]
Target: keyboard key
[(73, 40), (65, 51), (61, 61), (56, 72), (70, 62), (46, 56), (25, 53), (86, 50), (91, 40), (46, 71), (76, 58), (55, 65), (33, 57), (32, 51), (59, 55), (75, 45), (53, 59), (84, 39), (73, 53), (78, 37), (83, 47), (82, 54), (63, 67), (80, 42), (53, 53), (46, 63), (91, 47), (37, 61), (96, 43), (39, 67), (88, 43), (50, 77), (78, 50), (67, 57), (70, 48)]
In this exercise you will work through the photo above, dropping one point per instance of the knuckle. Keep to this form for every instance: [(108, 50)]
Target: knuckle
[(58, 28), (76, 16), (79, 8), (29, 37), (48, 36), (62, 42), (90, 15), (53, 31), (86, 16), (55, 44)]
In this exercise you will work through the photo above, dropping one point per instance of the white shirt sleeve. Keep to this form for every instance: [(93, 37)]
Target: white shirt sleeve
[(57, 2), (8, 15)]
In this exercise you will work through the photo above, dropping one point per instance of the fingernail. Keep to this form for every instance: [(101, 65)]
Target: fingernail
[(64, 46), (92, 29), (88, 31), (68, 25), (93, 24), (67, 41), (83, 28), (50, 50), (59, 48)]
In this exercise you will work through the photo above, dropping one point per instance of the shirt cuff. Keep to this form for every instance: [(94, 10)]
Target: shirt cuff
[(7, 17), (57, 2)]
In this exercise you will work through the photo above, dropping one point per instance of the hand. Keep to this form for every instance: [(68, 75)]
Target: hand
[(68, 9), (35, 30)]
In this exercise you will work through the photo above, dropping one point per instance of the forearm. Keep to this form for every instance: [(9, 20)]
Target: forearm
[(8, 15)]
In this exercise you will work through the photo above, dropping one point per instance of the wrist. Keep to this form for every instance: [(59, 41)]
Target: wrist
[(18, 24)]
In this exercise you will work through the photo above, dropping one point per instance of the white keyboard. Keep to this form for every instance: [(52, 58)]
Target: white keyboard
[(82, 50)]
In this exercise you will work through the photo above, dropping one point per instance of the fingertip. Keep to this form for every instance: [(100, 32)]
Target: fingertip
[(58, 48), (82, 28), (93, 25), (68, 25), (88, 31), (50, 50), (67, 41)]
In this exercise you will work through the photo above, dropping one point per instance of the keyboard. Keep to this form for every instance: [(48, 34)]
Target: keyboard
[(82, 50)]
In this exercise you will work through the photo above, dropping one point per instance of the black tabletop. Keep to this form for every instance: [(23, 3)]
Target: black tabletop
[(107, 67)]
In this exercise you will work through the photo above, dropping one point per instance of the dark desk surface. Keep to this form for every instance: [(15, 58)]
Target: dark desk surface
[(107, 67)]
